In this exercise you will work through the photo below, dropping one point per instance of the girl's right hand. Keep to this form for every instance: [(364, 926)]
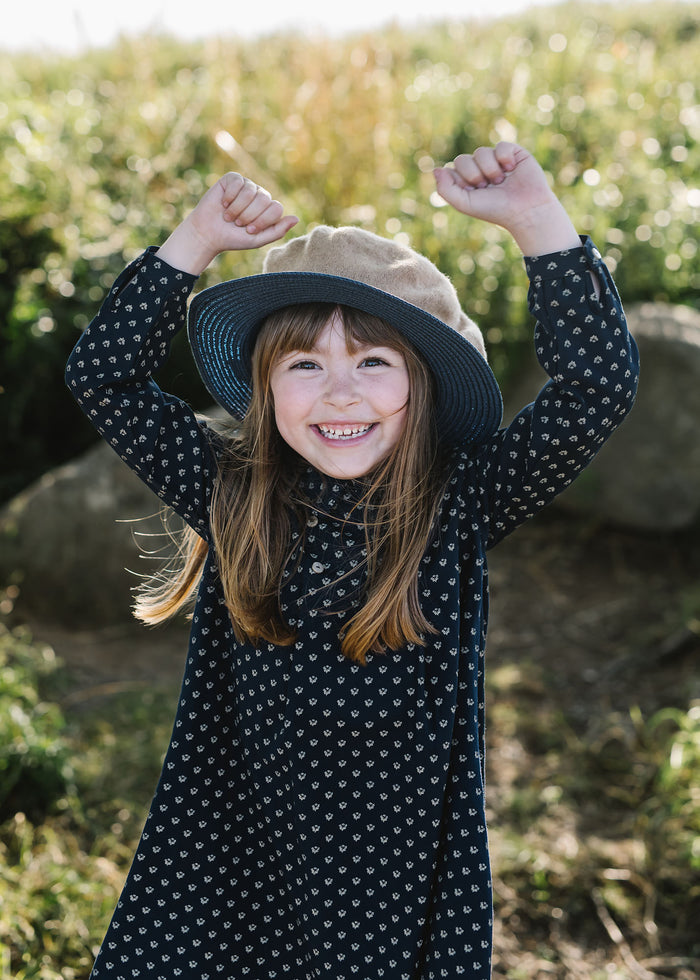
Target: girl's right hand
[(505, 185), (232, 215)]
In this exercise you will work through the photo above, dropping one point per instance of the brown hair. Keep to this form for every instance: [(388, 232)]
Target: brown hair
[(255, 499)]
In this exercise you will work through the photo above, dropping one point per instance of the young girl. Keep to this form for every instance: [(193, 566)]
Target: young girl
[(320, 812)]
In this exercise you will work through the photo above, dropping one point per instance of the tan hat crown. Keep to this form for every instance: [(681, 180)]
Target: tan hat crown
[(379, 262)]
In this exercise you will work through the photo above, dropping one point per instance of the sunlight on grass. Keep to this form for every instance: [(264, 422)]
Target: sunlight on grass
[(106, 152)]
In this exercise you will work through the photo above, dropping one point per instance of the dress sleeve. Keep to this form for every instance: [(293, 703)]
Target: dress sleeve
[(583, 343), (110, 373)]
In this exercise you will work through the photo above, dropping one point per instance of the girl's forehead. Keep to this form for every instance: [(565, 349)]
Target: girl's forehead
[(337, 336), (342, 327), (300, 328)]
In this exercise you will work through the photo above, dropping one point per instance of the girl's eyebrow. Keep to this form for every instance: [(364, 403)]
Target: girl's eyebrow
[(297, 352), (361, 346)]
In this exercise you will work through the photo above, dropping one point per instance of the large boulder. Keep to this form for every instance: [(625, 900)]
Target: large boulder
[(647, 476), (75, 543), (68, 540)]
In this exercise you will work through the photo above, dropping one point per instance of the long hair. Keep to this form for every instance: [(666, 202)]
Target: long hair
[(256, 502)]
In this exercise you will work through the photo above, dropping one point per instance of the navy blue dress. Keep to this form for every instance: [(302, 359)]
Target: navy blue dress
[(316, 818)]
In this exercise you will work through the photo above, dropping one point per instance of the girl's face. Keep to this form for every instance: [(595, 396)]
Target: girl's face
[(342, 410)]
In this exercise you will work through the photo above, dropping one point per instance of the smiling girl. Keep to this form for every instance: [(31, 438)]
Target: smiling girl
[(341, 404), (321, 807)]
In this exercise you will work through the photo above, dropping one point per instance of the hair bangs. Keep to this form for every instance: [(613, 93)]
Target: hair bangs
[(297, 328)]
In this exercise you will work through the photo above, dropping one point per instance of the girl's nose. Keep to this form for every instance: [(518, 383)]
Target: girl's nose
[(341, 388)]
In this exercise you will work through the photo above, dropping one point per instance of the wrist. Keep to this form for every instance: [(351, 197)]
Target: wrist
[(543, 230), (185, 250)]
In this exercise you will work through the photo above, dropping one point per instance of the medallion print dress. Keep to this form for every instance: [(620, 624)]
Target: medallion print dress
[(316, 818)]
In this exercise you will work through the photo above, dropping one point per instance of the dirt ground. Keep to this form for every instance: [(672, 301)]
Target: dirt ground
[(608, 619), (605, 611), (588, 620)]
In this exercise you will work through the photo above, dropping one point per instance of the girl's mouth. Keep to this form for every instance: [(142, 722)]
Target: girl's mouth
[(344, 432)]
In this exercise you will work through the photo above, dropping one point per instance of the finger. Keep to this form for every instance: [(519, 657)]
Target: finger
[(267, 217), (230, 184), (507, 154), (470, 173), (238, 195), (452, 188), (274, 232), (489, 165), (252, 211)]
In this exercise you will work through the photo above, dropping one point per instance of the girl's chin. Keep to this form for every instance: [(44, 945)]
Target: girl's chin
[(344, 467), (341, 472)]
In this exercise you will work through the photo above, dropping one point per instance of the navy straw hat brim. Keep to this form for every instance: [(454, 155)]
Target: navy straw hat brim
[(224, 320)]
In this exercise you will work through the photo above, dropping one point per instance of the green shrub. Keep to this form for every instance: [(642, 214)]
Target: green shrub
[(669, 819), (100, 155), (75, 791), (34, 756)]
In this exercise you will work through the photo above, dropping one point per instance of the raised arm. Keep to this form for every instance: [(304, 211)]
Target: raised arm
[(582, 342), (110, 371), (581, 337)]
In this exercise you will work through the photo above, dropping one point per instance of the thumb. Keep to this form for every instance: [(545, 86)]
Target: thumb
[(273, 232), (450, 187)]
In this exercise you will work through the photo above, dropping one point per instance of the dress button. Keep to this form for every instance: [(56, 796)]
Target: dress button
[(317, 567), (313, 520)]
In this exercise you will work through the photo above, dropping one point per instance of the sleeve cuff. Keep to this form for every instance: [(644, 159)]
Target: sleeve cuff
[(161, 271), (559, 265)]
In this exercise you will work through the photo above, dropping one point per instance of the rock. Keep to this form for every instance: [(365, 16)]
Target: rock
[(72, 542), (647, 476), (68, 539)]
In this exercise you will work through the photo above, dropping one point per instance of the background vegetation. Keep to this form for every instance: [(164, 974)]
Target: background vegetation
[(101, 155)]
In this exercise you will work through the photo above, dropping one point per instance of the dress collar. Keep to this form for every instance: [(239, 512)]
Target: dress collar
[(342, 500)]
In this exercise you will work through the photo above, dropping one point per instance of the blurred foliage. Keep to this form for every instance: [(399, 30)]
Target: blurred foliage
[(102, 154), (34, 767), (63, 858)]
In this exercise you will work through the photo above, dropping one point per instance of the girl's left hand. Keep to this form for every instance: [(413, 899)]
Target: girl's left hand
[(233, 215), (506, 186)]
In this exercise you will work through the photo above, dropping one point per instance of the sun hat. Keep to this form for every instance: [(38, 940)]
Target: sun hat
[(351, 267)]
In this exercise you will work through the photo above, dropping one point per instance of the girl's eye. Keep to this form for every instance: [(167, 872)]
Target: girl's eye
[(374, 361), (303, 366)]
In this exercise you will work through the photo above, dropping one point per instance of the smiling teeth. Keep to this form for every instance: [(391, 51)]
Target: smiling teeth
[(343, 432)]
